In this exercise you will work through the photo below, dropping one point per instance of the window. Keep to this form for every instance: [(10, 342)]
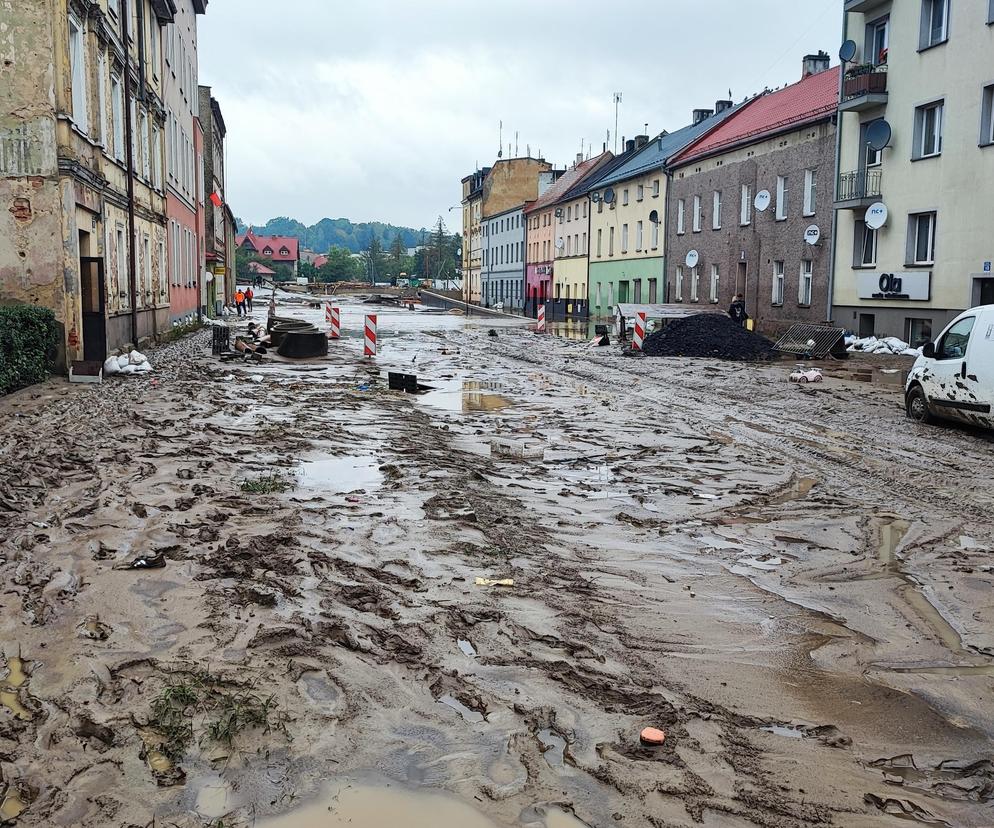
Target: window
[(156, 157), (778, 283), (610, 242), (640, 192), (810, 192), (745, 216), (569, 214), (921, 238), (77, 64), (155, 53), (102, 100), (804, 284), (877, 40), (781, 197), (694, 283), (716, 211), (584, 250), (624, 197), (679, 284), (990, 12), (655, 183), (655, 235), (935, 23), (714, 283), (146, 161), (117, 116), (919, 332), (680, 210), (954, 341), (569, 245), (697, 214), (600, 242), (115, 7), (873, 157), (624, 238), (122, 265), (987, 113), (638, 236), (162, 268), (866, 246), (928, 130)]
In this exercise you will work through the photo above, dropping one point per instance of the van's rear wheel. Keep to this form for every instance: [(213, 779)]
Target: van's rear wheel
[(916, 405)]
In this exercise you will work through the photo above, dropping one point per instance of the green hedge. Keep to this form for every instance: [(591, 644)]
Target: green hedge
[(28, 338)]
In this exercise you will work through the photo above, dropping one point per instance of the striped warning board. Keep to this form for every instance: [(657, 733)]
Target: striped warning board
[(333, 316), (541, 319), (369, 336), (639, 337)]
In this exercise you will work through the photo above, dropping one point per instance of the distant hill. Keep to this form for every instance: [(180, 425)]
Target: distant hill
[(341, 232)]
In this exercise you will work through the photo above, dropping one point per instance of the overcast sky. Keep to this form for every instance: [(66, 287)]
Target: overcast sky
[(375, 110)]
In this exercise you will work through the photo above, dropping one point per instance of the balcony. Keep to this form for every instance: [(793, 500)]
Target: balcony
[(862, 5), (857, 189), (864, 87)]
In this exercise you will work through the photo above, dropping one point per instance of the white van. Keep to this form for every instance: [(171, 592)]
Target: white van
[(954, 377)]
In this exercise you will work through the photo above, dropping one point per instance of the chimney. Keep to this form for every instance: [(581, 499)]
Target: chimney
[(641, 141), (629, 145), (702, 115), (579, 159), (813, 64), (721, 106)]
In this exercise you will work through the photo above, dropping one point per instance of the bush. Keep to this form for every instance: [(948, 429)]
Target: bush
[(28, 338)]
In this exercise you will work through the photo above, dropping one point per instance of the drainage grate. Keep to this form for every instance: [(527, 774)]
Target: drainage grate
[(814, 341)]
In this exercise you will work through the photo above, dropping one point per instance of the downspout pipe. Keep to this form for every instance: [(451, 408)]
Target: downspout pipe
[(140, 7), (130, 153), (829, 310)]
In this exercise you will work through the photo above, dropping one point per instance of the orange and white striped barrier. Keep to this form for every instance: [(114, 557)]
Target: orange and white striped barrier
[(540, 327), (639, 337), (369, 336), (333, 316)]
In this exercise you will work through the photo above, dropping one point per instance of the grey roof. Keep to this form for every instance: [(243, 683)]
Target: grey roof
[(657, 152), (591, 181)]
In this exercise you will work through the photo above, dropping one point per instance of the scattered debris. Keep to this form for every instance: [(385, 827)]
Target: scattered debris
[(887, 345), (803, 375), (154, 561), (652, 736), (505, 582)]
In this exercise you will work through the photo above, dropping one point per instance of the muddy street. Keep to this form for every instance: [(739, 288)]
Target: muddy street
[(281, 595)]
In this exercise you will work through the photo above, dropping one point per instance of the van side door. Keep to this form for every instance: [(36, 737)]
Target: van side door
[(951, 394)]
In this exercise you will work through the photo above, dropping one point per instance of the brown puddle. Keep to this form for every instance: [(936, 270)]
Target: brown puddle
[(12, 807), (798, 490), (891, 535), (16, 678), (374, 807)]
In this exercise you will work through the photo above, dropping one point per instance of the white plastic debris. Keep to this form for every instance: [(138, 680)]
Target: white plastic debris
[(123, 361), (257, 378), (136, 358), (111, 367), (128, 369)]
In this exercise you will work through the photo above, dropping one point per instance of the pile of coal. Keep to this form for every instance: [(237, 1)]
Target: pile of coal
[(712, 335)]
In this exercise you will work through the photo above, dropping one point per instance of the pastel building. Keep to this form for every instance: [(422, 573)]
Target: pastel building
[(915, 235), (472, 234), (503, 273), (543, 218)]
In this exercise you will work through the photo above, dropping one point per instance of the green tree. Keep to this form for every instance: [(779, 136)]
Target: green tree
[(340, 267), (374, 260)]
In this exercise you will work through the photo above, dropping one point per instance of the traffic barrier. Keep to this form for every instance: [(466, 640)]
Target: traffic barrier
[(541, 319), (333, 316), (369, 336), (639, 337)]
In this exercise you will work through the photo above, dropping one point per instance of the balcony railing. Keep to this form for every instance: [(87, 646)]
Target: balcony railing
[(868, 81), (859, 185)]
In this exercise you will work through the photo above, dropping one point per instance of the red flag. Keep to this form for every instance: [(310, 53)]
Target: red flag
[(216, 200)]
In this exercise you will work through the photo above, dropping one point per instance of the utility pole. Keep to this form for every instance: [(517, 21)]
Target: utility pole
[(617, 104)]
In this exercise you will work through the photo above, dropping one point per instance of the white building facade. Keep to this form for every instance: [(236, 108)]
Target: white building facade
[(503, 268)]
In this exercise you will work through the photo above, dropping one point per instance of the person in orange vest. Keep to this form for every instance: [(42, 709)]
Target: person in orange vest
[(240, 302), (249, 295)]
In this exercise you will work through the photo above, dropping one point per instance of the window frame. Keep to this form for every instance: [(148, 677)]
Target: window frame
[(783, 196), (655, 181), (810, 201), (624, 239), (697, 214), (681, 223), (77, 73), (695, 283), (987, 111), (745, 206), (913, 231), (716, 210), (925, 40), (639, 237), (779, 283), (678, 278), (922, 111), (806, 277), (941, 344), (715, 284), (863, 232)]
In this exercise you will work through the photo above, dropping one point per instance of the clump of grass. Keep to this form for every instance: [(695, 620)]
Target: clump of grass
[(269, 484), (205, 709)]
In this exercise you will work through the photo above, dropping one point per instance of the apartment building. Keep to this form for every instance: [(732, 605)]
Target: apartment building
[(472, 234), (82, 125), (751, 205), (219, 231), (914, 196), (184, 165)]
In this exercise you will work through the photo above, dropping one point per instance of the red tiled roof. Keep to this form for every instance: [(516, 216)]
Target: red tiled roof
[(567, 181), (811, 99), (320, 261), (260, 269), (274, 243)]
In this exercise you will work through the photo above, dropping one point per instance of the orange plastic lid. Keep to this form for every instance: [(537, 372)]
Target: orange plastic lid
[(652, 736)]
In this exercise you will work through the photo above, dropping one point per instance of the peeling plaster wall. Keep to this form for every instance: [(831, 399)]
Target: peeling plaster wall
[(32, 260)]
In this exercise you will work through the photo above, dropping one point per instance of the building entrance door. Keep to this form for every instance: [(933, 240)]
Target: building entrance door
[(867, 324), (94, 309), (986, 291)]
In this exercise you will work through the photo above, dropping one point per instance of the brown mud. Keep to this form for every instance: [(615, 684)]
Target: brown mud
[(793, 584)]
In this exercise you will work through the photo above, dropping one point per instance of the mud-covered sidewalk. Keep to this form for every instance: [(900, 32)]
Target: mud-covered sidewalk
[(248, 595)]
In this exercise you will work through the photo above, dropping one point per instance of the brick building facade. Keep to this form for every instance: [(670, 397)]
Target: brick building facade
[(743, 201)]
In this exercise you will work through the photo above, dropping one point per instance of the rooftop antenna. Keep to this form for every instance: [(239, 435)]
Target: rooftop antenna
[(617, 104), (500, 140), (528, 150), (646, 130), (515, 143)]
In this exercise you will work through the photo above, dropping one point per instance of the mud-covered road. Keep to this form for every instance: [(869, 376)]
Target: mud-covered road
[(794, 583)]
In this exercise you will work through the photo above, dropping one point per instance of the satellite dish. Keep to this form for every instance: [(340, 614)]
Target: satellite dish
[(595, 197), (848, 51), (560, 244), (812, 234), (609, 196), (693, 257), (762, 200), (654, 217), (559, 212), (876, 215), (878, 135)]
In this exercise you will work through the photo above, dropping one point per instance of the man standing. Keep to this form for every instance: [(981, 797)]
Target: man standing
[(240, 301), (737, 310), (248, 297)]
